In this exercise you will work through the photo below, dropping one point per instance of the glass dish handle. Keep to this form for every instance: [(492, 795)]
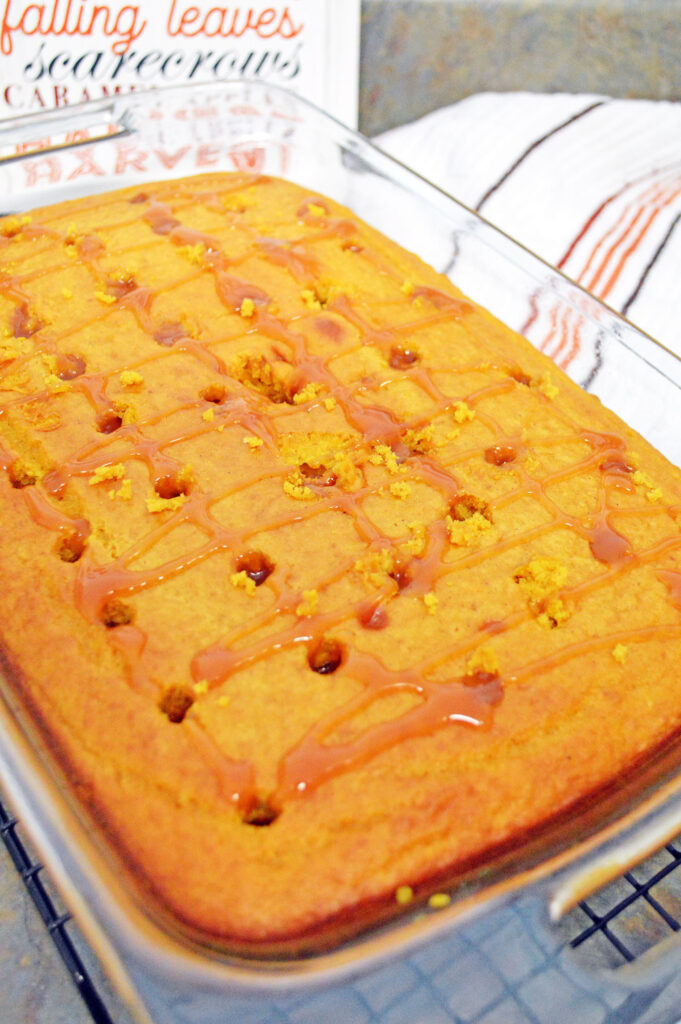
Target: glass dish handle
[(630, 844), (80, 125)]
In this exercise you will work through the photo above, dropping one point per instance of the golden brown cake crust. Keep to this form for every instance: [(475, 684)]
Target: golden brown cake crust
[(318, 580)]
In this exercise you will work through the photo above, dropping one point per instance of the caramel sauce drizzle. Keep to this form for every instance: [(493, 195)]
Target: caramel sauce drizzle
[(317, 756), (602, 643), (672, 579), (314, 759)]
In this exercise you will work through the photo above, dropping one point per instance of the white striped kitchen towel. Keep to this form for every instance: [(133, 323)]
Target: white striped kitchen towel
[(591, 184)]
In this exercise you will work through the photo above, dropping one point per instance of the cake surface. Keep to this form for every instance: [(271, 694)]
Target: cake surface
[(318, 580)]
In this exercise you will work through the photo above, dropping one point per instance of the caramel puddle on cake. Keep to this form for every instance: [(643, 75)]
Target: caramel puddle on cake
[(258, 404)]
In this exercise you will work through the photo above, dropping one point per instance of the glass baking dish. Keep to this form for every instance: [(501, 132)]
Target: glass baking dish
[(422, 966)]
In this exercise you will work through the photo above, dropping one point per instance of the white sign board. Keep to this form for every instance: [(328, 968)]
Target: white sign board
[(58, 52)]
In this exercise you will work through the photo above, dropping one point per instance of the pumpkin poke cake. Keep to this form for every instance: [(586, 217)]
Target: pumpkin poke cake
[(319, 582)]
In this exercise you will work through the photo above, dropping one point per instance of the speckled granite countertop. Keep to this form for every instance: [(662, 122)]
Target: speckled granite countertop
[(35, 986), (418, 55)]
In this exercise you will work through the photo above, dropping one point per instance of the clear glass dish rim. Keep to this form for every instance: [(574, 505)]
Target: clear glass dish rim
[(127, 99), (144, 939)]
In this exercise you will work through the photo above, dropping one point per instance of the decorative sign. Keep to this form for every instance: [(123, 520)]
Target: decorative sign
[(59, 52)]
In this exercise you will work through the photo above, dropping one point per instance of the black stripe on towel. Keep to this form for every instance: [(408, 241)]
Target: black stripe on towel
[(534, 145), (649, 265)]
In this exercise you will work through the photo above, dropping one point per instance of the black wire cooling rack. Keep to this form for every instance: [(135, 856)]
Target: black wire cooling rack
[(54, 920), (615, 926), (632, 914)]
